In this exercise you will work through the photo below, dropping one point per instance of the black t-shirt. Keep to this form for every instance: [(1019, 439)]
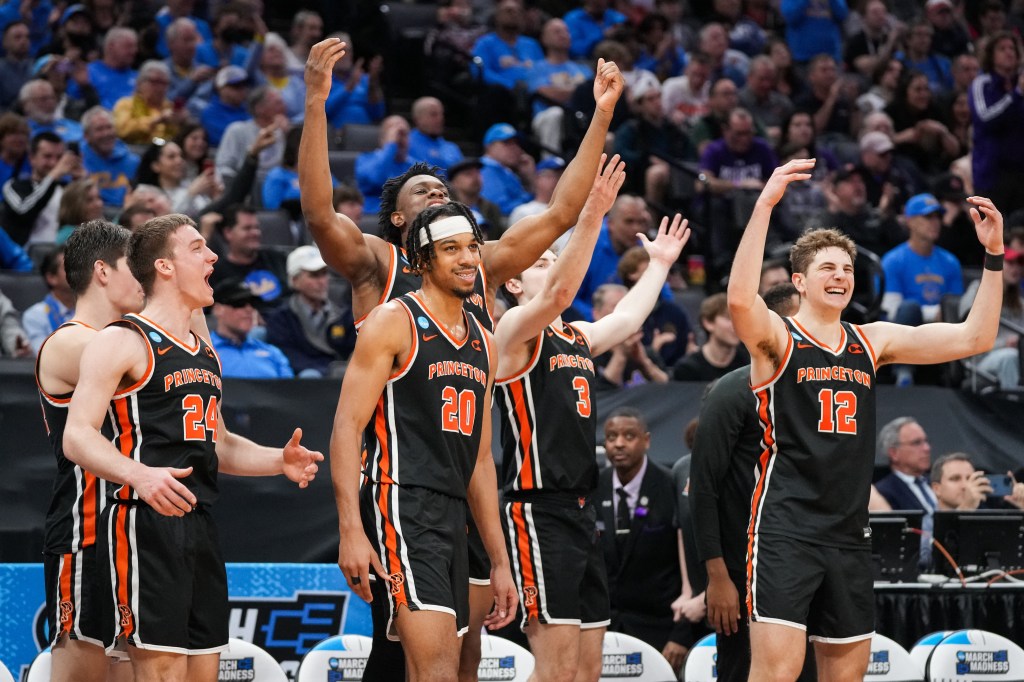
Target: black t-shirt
[(266, 276), (695, 367)]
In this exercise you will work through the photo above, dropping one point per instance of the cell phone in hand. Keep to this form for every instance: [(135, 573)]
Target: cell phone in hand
[(74, 148), (1002, 485)]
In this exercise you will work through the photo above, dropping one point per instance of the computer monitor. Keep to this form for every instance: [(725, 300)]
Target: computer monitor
[(895, 550), (980, 540)]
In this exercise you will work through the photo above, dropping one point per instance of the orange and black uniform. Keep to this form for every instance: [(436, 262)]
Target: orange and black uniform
[(77, 584), (808, 544), (168, 418), (422, 444), (549, 475)]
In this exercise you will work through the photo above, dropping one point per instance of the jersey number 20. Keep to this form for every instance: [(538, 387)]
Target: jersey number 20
[(458, 414), (838, 411)]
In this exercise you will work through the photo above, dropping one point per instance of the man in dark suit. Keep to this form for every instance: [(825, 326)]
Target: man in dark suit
[(908, 486), (640, 539)]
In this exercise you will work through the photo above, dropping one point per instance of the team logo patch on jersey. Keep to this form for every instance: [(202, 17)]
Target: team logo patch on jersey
[(126, 615), (530, 595), (65, 611), (422, 322), (855, 348), (397, 580), (156, 337), (476, 344)]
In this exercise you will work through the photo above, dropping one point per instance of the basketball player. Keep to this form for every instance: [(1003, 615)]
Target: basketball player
[(813, 377), (549, 422), (78, 603), (379, 269), (419, 382), (161, 385)]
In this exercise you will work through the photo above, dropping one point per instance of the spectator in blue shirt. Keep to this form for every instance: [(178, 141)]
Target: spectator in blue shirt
[(507, 55), (426, 139), (390, 159), (814, 27), (57, 307), (106, 159), (506, 166), (16, 64), (356, 95), (228, 104), (918, 273), (552, 83), (12, 256), (591, 24), (281, 186), (629, 215), (273, 71), (39, 102), (171, 12), (919, 56), (233, 28), (241, 356), (187, 74), (113, 75), (659, 52), (38, 20)]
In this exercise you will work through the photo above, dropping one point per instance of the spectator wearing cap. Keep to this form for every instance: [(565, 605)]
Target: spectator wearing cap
[(245, 259), (227, 105), (552, 83), (391, 158), (14, 137), (241, 355), (590, 24), (426, 139), (506, 168), (70, 80), (506, 55), (814, 28), (38, 101), (37, 19), (172, 11), (113, 75), (643, 140), (357, 95), (951, 37), (1003, 361), (274, 72), (187, 74), (958, 235), (888, 185), (148, 113), (267, 110), (997, 113), (16, 64), (849, 211), (309, 328), (545, 178), (918, 273), (466, 182), (106, 159)]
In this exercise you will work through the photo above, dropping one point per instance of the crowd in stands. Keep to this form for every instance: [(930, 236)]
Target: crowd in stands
[(134, 110)]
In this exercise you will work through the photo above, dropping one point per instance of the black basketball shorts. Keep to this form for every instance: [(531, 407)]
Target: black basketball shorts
[(78, 601)]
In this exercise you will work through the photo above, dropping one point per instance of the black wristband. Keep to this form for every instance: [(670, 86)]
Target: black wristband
[(994, 261)]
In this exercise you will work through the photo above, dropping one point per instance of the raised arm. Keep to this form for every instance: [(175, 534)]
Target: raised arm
[(637, 304), (523, 323), (100, 374), (342, 244), (760, 330), (941, 341), (382, 339), (523, 243)]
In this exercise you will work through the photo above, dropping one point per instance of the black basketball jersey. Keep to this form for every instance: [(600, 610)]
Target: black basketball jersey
[(401, 280), (78, 496), (169, 417), (425, 429), (548, 420), (818, 444)]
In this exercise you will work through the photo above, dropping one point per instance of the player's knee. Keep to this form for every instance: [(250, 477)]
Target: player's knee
[(558, 671)]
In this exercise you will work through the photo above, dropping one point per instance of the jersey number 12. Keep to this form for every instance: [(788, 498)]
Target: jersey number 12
[(838, 411)]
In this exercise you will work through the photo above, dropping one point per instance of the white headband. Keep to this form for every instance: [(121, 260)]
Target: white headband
[(446, 227)]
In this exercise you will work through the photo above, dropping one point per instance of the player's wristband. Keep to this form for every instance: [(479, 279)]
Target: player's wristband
[(994, 261)]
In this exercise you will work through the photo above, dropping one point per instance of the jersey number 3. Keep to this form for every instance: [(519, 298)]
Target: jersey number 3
[(838, 411), (582, 387), (458, 414), (199, 419)]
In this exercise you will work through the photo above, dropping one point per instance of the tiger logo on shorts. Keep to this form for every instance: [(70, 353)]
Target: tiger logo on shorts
[(530, 594), (397, 580), (126, 615), (65, 611)]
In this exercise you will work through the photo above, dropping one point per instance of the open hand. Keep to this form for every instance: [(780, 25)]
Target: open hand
[(669, 242), (320, 65), (797, 169), (300, 464)]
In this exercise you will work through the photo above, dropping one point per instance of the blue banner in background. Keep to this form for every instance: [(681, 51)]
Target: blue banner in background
[(284, 609)]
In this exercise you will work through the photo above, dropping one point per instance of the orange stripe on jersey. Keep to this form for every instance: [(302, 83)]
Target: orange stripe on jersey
[(89, 510), (763, 461), (529, 364), (126, 440), (122, 570), (526, 481), (380, 428), (393, 563), (64, 596), (526, 569)]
